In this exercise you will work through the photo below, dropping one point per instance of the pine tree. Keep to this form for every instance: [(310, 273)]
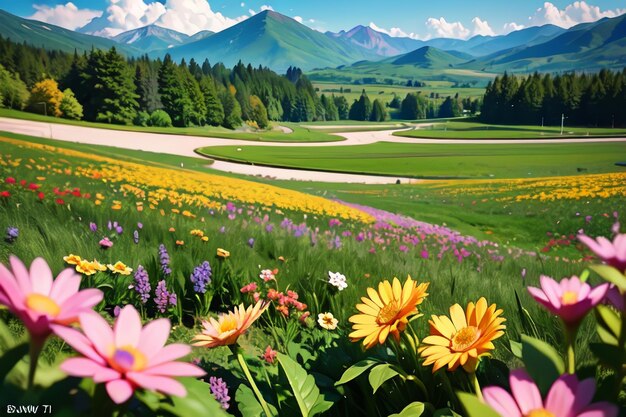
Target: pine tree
[(232, 110), (175, 101), (378, 112), (70, 107), (214, 109), (259, 112)]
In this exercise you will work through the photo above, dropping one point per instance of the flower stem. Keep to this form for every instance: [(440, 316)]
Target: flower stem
[(571, 357), (246, 371), (476, 385), (36, 346)]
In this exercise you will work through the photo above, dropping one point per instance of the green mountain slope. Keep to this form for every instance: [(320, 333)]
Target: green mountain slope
[(273, 40), (429, 57), (54, 37), (588, 46)]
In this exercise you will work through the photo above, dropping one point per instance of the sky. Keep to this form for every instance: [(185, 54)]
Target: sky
[(419, 19)]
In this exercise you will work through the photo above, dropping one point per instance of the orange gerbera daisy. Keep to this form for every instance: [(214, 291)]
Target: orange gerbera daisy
[(462, 338), (386, 311), (229, 326)]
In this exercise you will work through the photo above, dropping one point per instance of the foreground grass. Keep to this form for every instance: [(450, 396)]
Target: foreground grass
[(299, 134), (438, 161), (469, 129)]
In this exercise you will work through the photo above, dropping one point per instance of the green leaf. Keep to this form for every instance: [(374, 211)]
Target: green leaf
[(247, 403), (381, 374), (198, 402), (516, 348), (356, 370), (612, 275), (474, 407), (606, 336), (307, 395), (543, 362), (10, 358), (415, 409), (609, 319)]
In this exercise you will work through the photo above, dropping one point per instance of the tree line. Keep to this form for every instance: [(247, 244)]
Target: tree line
[(583, 99), (107, 87)]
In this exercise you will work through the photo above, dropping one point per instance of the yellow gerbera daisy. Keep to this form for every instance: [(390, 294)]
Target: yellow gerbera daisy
[(229, 326), (98, 266), (72, 259), (120, 268), (462, 338), (386, 311), (223, 253)]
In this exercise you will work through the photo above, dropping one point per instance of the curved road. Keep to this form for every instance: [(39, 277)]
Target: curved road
[(185, 145)]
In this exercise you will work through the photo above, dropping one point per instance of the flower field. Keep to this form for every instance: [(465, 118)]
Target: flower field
[(138, 289)]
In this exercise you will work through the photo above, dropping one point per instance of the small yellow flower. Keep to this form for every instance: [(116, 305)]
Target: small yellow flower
[(72, 259), (197, 232), (172, 229), (180, 242), (327, 321), (222, 253), (98, 266), (85, 268), (120, 268), (97, 202), (205, 238)]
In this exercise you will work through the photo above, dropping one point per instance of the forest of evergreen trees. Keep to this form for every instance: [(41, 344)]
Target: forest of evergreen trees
[(583, 99), (110, 88)]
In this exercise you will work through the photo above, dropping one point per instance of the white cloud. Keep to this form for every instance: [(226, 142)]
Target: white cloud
[(440, 28), (511, 27), (65, 15), (571, 15), (298, 19), (243, 4), (186, 16), (394, 32), (481, 27), (266, 7)]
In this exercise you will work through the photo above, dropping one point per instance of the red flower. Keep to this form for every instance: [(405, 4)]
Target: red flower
[(33, 186), (10, 180), (87, 195), (5, 194), (41, 195), (59, 201), (23, 183), (76, 192)]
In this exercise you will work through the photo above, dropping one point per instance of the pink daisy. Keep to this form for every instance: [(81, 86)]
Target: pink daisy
[(129, 356)]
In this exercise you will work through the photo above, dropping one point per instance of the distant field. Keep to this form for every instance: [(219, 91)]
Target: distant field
[(439, 161), (467, 129), (386, 92), (299, 134)]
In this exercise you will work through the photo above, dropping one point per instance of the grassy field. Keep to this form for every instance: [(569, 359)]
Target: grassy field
[(298, 135), (470, 129), (439, 161), (386, 92)]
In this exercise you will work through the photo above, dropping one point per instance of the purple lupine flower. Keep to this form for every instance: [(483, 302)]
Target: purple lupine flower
[(269, 228), (139, 225), (12, 234), (223, 229), (93, 227), (119, 230), (251, 242), (163, 297), (110, 225), (164, 259), (219, 389), (201, 276), (136, 236), (588, 219), (142, 284)]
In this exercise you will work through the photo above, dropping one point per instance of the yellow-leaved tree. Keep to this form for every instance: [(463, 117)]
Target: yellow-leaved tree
[(46, 98)]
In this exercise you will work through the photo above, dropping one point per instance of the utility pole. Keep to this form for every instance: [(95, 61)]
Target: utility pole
[(562, 122), (542, 122)]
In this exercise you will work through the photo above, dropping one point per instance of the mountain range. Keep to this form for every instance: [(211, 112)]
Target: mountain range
[(277, 41)]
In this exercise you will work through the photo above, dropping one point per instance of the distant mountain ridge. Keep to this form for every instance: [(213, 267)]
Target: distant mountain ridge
[(152, 38)]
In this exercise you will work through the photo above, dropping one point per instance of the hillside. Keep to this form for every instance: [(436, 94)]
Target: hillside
[(587, 46), (54, 37), (429, 57), (273, 40)]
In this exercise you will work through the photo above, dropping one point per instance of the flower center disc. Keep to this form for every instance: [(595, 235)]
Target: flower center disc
[(540, 412), (42, 304), (229, 324), (569, 297), (128, 358), (465, 338), (388, 313)]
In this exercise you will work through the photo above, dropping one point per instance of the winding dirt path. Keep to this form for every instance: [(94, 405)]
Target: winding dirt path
[(185, 146)]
